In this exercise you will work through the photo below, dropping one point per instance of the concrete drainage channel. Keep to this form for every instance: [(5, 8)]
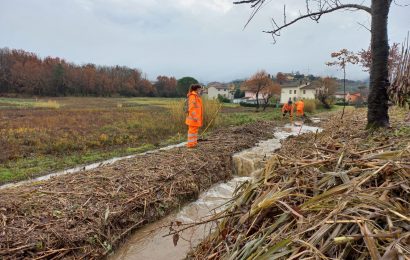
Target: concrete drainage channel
[(150, 242)]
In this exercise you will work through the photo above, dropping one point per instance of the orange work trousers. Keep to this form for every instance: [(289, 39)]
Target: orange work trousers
[(299, 113), (192, 136)]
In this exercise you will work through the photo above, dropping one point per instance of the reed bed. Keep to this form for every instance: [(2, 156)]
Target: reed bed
[(340, 194)]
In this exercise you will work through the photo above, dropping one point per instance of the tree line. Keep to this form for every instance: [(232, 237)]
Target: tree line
[(25, 73)]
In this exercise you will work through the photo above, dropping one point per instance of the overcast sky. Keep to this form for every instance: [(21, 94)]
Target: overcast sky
[(200, 38)]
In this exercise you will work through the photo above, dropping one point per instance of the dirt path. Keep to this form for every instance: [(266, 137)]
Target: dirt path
[(86, 214)]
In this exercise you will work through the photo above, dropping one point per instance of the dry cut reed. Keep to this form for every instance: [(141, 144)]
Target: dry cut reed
[(340, 194)]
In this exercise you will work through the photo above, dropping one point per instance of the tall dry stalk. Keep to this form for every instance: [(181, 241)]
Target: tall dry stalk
[(178, 115), (399, 91)]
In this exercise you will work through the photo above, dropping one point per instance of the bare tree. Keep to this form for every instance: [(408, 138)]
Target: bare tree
[(343, 57), (273, 89), (326, 89), (377, 115), (257, 84)]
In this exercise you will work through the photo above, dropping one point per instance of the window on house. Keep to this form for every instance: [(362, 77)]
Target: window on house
[(294, 91), (290, 91), (304, 91)]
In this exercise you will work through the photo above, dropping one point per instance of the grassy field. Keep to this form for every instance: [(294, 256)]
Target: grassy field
[(43, 135)]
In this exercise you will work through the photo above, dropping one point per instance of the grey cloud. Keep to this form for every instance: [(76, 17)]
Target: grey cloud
[(201, 38)]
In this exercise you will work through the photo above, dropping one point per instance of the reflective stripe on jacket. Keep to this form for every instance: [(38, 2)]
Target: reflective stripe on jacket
[(195, 115)]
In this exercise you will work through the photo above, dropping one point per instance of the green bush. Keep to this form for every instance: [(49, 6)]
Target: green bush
[(223, 99)]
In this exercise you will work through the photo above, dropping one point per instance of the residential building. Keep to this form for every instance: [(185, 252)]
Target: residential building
[(341, 95), (250, 98), (303, 90), (354, 98), (215, 88), (252, 95)]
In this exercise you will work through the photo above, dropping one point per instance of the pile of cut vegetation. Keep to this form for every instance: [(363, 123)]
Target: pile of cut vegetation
[(340, 194), (85, 215)]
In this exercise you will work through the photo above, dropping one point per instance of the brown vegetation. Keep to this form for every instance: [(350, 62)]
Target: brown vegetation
[(328, 87), (30, 132), (25, 73), (87, 214), (399, 90), (262, 85), (88, 127), (339, 194)]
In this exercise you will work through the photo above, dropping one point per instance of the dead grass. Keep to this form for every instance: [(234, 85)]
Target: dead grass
[(31, 128), (84, 216)]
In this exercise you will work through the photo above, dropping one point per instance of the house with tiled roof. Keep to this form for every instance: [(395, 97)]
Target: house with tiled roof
[(298, 90), (215, 88)]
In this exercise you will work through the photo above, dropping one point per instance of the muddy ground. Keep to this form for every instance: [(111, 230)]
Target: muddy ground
[(87, 214)]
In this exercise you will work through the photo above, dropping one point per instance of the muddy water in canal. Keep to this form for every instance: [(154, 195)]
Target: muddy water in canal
[(152, 243)]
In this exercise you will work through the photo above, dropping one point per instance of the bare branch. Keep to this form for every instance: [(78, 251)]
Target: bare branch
[(317, 15), (401, 5), (364, 26), (253, 2), (255, 11)]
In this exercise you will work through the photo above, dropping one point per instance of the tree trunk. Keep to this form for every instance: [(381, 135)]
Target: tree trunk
[(257, 100), (377, 115), (344, 88)]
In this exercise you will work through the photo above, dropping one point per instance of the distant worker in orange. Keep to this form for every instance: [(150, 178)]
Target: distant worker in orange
[(194, 116), (300, 105), (288, 108)]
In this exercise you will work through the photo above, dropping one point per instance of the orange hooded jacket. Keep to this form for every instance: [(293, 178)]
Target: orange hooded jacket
[(195, 115), (300, 105), (287, 108)]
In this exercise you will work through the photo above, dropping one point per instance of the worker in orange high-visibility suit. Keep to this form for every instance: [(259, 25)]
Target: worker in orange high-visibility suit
[(300, 105), (288, 108), (194, 116)]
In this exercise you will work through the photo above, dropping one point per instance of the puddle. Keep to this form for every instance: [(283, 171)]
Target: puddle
[(87, 167), (149, 242), (315, 120)]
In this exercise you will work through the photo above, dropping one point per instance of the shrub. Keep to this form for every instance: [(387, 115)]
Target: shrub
[(177, 114), (310, 105), (49, 104), (223, 99)]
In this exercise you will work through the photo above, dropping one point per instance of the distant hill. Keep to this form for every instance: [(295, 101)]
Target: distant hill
[(352, 85)]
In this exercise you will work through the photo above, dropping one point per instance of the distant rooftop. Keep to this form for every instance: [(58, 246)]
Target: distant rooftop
[(309, 86), (218, 85)]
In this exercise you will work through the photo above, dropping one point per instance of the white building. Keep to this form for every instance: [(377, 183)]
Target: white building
[(295, 92), (216, 88), (252, 95)]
